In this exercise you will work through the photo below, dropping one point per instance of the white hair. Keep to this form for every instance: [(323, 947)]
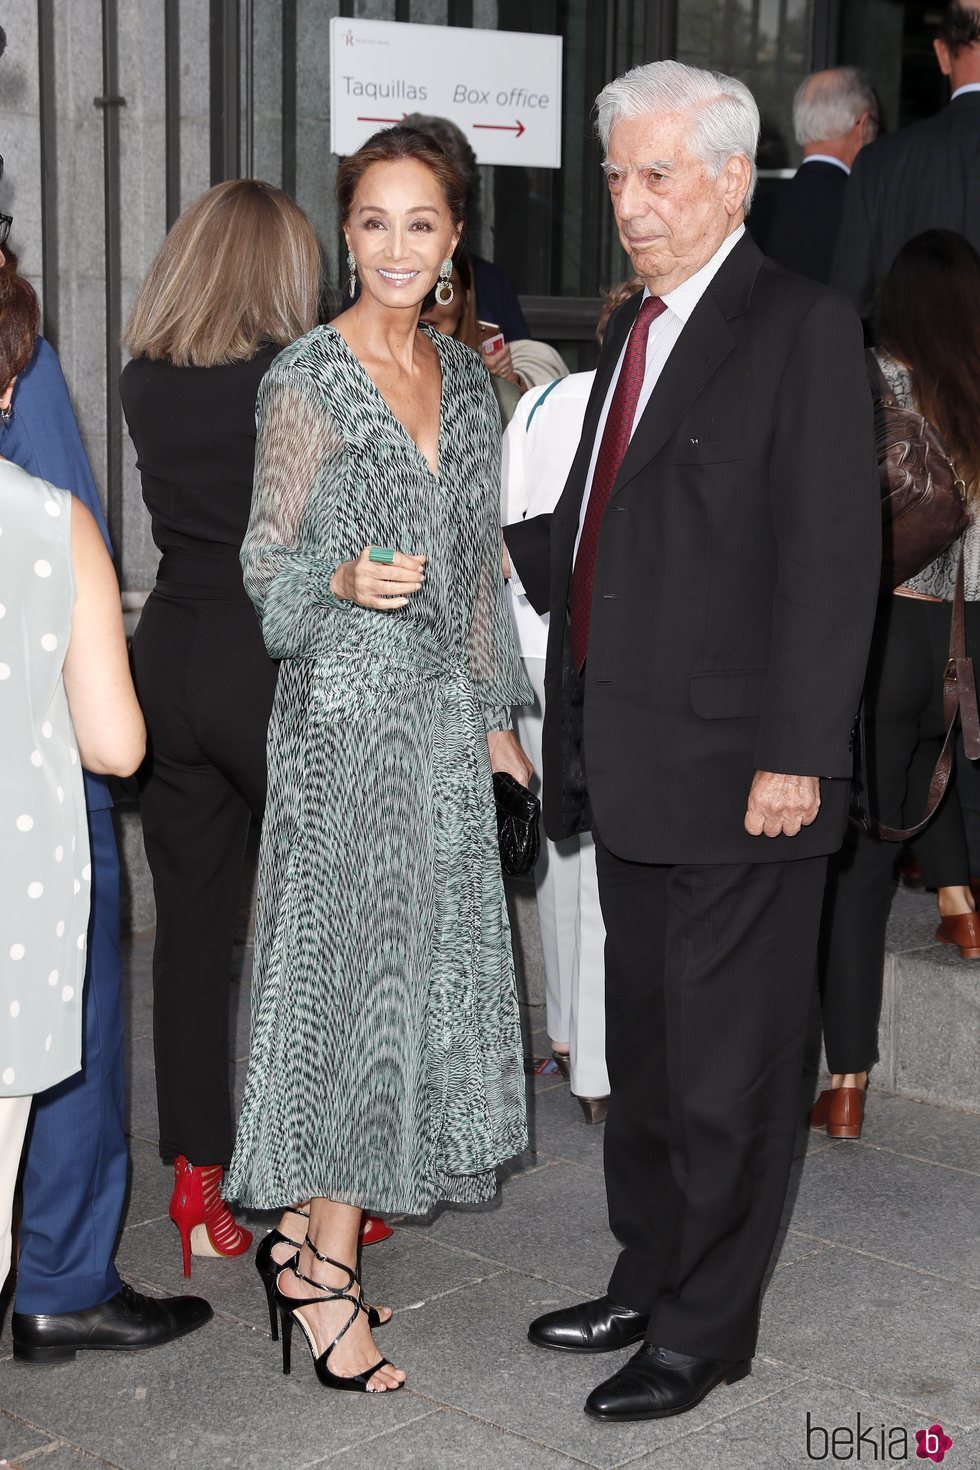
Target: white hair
[(725, 117), (828, 104)]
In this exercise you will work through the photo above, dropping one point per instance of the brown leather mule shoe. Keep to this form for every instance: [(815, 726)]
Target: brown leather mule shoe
[(818, 1113), (963, 930), (845, 1112)]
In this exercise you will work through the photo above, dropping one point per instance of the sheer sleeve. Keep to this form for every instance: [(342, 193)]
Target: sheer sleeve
[(286, 559), (494, 662)]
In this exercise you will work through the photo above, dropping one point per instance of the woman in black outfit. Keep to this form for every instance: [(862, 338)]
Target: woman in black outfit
[(236, 280), (927, 332)]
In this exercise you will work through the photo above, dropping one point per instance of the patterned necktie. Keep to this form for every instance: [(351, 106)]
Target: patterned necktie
[(615, 442)]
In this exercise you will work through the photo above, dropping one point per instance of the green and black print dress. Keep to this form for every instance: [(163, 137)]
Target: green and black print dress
[(385, 1067)]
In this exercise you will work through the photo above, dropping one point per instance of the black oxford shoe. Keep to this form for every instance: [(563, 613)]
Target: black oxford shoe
[(589, 1327), (126, 1321), (656, 1383)]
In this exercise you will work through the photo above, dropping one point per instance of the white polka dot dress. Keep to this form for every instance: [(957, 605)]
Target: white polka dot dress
[(44, 852)]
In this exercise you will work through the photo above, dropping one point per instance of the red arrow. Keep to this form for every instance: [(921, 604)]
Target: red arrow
[(382, 119), (503, 127)]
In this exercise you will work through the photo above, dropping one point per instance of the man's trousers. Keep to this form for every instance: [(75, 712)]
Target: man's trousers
[(77, 1161), (710, 974)]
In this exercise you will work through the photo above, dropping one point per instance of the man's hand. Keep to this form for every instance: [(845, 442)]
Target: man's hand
[(507, 755), (781, 805)]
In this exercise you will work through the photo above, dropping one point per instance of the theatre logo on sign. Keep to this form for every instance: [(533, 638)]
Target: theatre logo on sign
[(872, 1444)]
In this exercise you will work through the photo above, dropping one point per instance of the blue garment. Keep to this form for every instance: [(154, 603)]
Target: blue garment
[(76, 1164), (496, 299), (77, 1158)]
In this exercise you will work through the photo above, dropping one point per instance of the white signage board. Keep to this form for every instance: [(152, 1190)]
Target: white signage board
[(503, 88)]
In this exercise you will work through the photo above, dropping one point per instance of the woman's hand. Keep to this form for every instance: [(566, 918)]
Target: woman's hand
[(378, 584), (507, 755), (501, 364)]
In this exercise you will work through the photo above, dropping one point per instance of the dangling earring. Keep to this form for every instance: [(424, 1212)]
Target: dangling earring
[(444, 290), (352, 267)]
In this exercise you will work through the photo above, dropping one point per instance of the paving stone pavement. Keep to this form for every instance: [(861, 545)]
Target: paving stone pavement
[(869, 1324)]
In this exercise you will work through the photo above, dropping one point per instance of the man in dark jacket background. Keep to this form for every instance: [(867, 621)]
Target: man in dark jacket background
[(835, 113), (923, 177)]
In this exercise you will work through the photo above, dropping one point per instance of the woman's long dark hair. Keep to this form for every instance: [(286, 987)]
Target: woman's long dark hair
[(928, 317), (20, 322)]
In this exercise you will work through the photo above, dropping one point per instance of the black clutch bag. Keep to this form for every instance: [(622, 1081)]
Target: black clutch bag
[(518, 816)]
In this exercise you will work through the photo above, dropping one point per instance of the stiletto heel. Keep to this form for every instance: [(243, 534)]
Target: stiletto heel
[(207, 1226), (268, 1267), (290, 1308), (185, 1243), (287, 1335)]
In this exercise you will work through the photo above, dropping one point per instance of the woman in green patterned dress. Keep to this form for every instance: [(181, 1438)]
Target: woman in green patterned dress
[(385, 1070)]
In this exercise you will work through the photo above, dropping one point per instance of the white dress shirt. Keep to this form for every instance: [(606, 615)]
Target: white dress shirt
[(966, 87), (664, 333)]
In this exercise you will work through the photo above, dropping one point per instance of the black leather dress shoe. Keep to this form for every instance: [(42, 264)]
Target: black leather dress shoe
[(589, 1327), (127, 1321), (656, 1383)]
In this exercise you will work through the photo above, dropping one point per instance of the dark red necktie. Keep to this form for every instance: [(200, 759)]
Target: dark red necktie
[(615, 442)]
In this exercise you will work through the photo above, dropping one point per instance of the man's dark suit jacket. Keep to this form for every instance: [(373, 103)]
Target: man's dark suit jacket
[(735, 584), (796, 223), (924, 177)]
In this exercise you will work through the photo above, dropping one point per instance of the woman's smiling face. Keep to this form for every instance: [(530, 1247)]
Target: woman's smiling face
[(400, 231)]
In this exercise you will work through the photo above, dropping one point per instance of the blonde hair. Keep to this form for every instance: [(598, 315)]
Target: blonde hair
[(239, 268)]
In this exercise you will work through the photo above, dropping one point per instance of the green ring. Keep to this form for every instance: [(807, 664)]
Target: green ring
[(383, 554)]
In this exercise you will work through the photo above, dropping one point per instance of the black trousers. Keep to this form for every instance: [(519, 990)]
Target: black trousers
[(709, 981), (206, 685), (903, 737)]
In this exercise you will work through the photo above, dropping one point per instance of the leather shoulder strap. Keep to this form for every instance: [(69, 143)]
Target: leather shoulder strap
[(959, 699)]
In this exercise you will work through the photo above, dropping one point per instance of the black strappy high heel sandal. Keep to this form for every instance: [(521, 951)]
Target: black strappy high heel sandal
[(289, 1308), (268, 1267)]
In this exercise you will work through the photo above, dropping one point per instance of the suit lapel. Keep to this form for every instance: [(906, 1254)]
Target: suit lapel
[(705, 341)]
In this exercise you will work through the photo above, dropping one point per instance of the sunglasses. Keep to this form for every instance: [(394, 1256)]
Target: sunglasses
[(6, 220)]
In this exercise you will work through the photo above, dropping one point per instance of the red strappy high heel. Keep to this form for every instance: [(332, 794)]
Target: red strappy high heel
[(374, 1230), (207, 1226)]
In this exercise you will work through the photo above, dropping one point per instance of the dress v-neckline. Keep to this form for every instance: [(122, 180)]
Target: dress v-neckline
[(433, 335)]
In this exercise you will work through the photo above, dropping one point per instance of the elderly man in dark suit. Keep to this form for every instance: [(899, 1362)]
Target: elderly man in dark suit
[(711, 572), (924, 177), (834, 114)]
